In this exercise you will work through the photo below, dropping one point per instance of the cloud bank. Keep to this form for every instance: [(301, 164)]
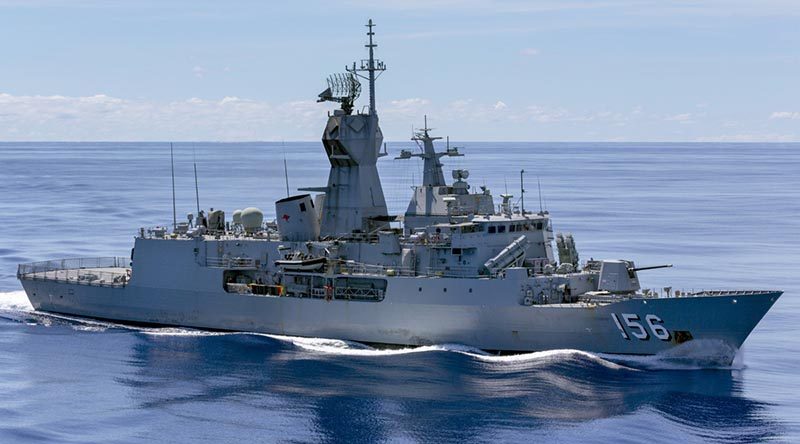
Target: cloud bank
[(105, 118)]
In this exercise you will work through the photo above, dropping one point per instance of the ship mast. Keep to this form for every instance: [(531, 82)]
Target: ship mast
[(432, 166), (354, 201), (370, 66)]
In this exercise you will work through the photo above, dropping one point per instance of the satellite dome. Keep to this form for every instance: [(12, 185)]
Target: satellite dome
[(252, 218), (237, 217)]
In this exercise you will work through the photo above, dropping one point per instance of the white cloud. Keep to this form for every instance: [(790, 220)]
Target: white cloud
[(641, 8), (749, 138), (529, 52), (232, 118), (410, 109), (785, 115), (199, 72), (684, 117), (100, 117)]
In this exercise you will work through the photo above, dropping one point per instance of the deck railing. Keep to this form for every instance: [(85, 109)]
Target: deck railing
[(453, 271), (359, 268), (102, 271), (73, 264), (232, 263)]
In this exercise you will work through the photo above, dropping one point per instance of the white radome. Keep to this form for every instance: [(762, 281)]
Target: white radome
[(251, 218)]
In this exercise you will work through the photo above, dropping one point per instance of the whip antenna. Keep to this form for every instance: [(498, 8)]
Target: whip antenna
[(522, 192), (541, 208), (172, 166), (285, 170), (196, 189)]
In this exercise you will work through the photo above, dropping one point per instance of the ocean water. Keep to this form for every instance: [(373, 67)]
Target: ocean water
[(726, 215)]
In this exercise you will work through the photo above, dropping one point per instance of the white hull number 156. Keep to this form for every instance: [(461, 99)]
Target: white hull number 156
[(637, 330)]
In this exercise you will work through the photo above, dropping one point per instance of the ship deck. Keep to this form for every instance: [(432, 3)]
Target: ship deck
[(104, 271)]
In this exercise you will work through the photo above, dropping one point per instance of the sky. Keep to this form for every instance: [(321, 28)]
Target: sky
[(493, 70)]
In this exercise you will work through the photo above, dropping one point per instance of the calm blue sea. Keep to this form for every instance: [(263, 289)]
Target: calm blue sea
[(725, 214)]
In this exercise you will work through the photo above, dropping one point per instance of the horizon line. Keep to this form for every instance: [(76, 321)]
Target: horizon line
[(773, 142)]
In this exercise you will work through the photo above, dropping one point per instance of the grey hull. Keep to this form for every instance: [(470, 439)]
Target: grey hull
[(409, 315)]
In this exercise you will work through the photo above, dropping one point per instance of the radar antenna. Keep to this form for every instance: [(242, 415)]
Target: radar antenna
[(343, 88)]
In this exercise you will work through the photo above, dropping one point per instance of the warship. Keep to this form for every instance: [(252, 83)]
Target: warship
[(334, 263)]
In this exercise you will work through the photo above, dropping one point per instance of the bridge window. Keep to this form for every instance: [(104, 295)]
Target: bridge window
[(501, 229), (492, 229)]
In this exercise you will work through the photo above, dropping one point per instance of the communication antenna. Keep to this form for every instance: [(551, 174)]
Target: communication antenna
[(196, 189), (522, 192), (285, 169), (370, 65), (541, 208), (344, 88), (172, 166)]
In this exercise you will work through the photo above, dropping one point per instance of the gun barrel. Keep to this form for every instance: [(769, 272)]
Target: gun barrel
[(652, 267)]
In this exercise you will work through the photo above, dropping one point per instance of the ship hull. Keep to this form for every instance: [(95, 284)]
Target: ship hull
[(414, 313)]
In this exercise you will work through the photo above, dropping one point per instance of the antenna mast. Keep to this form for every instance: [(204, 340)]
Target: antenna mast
[(172, 166), (196, 189), (371, 69), (370, 65), (541, 208), (522, 192), (286, 173)]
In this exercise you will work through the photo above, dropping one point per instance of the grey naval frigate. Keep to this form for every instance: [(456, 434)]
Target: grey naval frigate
[(454, 268)]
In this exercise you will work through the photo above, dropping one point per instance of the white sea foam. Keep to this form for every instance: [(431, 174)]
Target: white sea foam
[(90, 328), (692, 355), (350, 348), (15, 301), (547, 356), (178, 331)]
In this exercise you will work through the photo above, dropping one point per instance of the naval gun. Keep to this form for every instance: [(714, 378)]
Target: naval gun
[(619, 276), (652, 267)]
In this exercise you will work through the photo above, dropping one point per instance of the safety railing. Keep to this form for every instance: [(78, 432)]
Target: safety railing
[(606, 297), (72, 264), (232, 263), (359, 294), (100, 271), (453, 271), (687, 293), (359, 268)]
